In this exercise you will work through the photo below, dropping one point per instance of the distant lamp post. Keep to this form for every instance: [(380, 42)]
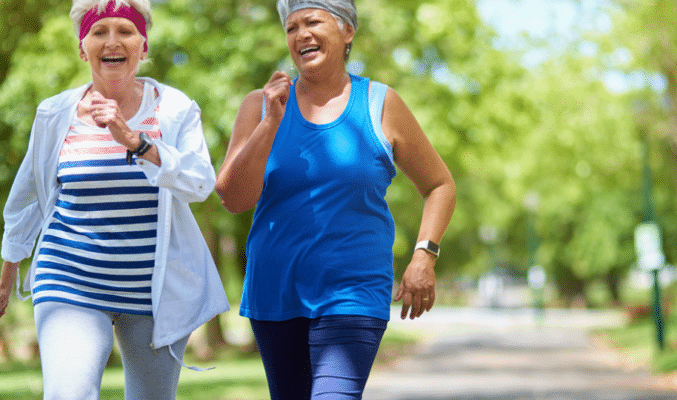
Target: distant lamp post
[(536, 276), (531, 203), (650, 258), (490, 285), (648, 244), (489, 235)]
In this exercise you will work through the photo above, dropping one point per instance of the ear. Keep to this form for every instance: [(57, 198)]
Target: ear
[(83, 55), (349, 33)]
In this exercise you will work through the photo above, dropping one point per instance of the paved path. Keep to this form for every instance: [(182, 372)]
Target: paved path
[(506, 355)]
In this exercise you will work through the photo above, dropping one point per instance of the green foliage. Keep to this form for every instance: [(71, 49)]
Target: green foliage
[(649, 32), (553, 132), (638, 342), (44, 64)]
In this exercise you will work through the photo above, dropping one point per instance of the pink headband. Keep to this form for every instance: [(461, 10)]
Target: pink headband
[(130, 13)]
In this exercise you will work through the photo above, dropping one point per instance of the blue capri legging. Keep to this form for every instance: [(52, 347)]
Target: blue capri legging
[(326, 358)]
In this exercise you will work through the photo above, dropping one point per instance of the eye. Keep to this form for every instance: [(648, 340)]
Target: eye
[(291, 29)]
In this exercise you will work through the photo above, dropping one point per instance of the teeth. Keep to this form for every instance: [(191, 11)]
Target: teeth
[(307, 50)]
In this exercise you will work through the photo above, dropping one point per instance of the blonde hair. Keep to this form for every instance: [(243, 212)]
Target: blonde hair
[(80, 8)]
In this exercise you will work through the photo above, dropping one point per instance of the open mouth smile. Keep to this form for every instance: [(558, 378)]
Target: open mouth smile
[(113, 60), (308, 50)]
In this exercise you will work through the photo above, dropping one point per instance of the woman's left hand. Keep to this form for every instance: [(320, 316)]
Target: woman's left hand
[(417, 289)]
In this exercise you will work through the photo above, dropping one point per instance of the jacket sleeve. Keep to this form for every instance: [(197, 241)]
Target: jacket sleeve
[(22, 214), (186, 169)]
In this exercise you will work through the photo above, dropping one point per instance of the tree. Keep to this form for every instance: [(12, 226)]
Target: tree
[(506, 131)]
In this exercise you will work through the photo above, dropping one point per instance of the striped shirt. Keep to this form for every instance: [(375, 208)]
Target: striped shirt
[(99, 248)]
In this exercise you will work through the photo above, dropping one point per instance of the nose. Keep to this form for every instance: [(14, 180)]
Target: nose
[(112, 39), (304, 32)]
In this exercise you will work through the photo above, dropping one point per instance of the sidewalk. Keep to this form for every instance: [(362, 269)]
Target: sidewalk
[(505, 354)]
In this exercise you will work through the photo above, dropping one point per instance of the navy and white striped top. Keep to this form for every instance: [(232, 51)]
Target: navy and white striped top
[(99, 248)]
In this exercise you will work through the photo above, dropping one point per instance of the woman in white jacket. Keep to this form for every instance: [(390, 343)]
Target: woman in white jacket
[(104, 188)]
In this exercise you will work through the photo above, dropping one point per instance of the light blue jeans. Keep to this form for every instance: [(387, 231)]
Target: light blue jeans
[(76, 342)]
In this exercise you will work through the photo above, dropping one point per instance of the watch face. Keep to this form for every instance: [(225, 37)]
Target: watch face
[(434, 247)]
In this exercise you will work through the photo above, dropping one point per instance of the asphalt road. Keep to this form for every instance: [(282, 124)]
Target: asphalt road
[(508, 355)]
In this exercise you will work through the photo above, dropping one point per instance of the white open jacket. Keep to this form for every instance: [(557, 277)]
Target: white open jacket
[(186, 289)]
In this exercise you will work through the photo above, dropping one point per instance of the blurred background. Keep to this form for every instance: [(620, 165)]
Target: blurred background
[(557, 119)]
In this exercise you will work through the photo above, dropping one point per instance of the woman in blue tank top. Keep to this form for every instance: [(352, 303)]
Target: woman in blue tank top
[(316, 155)]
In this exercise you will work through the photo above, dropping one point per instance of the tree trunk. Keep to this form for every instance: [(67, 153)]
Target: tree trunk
[(613, 281), (572, 288)]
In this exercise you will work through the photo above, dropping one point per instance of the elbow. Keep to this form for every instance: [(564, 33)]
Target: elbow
[(226, 201), (452, 187), (445, 185), (451, 191), (220, 189), (231, 202), (228, 207), (444, 191), (233, 208)]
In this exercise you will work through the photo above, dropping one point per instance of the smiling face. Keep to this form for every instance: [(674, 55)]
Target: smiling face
[(113, 47), (316, 41)]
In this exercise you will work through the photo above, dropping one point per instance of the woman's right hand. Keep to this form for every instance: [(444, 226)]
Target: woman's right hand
[(276, 94), (7, 279)]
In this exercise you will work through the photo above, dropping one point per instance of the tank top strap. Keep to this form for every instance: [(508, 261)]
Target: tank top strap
[(377, 95)]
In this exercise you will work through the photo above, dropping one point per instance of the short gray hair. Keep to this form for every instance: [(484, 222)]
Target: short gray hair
[(80, 8), (343, 9)]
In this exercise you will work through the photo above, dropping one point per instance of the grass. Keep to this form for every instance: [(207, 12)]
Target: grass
[(638, 339), (639, 344), (236, 376)]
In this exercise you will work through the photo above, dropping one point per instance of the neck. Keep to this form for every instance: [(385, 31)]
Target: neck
[(123, 91), (327, 87)]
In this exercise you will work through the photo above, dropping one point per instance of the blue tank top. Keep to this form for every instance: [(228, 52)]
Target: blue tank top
[(322, 235)]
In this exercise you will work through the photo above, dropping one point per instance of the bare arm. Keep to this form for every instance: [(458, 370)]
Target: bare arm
[(239, 183), (419, 161), (7, 279)]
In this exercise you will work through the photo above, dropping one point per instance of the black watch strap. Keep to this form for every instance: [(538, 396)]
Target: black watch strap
[(144, 146)]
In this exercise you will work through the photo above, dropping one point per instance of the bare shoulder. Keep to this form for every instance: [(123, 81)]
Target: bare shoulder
[(399, 123), (253, 99), (393, 101), (256, 94), (251, 108)]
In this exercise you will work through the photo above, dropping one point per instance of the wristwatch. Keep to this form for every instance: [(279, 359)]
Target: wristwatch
[(144, 146), (429, 246)]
